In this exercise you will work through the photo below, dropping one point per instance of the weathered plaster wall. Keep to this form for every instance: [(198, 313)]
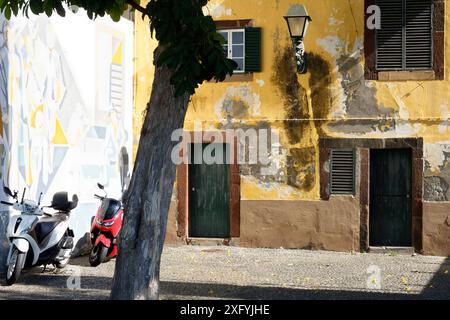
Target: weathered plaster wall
[(436, 228), (319, 225), (332, 100), (143, 74)]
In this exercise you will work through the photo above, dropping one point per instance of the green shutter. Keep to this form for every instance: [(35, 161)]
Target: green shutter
[(252, 49)]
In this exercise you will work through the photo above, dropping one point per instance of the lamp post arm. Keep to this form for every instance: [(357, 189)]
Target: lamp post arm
[(300, 54)]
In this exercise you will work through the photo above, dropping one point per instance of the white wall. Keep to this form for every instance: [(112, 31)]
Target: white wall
[(62, 130)]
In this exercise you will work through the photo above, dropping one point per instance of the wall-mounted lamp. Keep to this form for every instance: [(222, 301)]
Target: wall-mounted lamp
[(298, 20)]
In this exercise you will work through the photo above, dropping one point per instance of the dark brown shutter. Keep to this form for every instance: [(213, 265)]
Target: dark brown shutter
[(439, 38), (389, 39), (418, 34), (342, 175), (405, 40)]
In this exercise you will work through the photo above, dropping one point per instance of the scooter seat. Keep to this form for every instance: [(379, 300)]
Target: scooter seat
[(45, 226)]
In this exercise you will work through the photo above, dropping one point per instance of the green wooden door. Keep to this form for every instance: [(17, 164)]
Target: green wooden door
[(390, 197), (209, 198)]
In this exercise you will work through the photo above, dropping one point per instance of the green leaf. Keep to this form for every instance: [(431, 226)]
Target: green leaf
[(60, 9), (7, 12), (48, 7), (15, 7), (36, 6)]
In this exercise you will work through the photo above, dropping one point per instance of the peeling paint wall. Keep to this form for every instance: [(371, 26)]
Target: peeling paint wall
[(332, 100)]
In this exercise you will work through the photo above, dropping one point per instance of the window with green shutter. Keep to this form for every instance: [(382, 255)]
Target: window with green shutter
[(244, 47), (252, 49)]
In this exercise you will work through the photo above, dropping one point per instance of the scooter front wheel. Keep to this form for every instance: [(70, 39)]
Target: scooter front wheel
[(15, 266), (63, 263), (98, 255)]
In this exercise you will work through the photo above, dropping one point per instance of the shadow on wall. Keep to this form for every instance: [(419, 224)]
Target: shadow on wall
[(83, 246)]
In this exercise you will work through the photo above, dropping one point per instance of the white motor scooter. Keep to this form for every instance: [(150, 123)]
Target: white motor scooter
[(37, 237)]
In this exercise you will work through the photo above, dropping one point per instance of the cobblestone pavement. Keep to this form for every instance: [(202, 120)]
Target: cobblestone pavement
[(193, 272)]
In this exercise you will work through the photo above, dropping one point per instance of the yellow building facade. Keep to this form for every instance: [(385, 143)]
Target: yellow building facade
[(363, 151)]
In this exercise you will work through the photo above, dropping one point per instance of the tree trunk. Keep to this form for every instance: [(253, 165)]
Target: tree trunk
[(148, 197)]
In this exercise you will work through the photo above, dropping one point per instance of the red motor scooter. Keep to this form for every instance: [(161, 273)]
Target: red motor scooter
[(105, 228)]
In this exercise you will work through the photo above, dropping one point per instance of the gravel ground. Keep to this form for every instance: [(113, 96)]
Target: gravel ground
[(194, 272)]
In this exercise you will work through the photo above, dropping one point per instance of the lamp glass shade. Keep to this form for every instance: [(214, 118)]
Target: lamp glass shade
[(298, 20), (297, 26), (305, 29)]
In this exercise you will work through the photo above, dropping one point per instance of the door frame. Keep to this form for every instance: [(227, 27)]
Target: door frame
[(362, 187), (183, 184)]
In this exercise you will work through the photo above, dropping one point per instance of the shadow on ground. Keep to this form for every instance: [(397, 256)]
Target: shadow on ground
[(49, 285), (98, 288)]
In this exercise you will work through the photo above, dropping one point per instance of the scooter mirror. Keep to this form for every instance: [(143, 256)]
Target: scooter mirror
[(8, 191), (100, 186)]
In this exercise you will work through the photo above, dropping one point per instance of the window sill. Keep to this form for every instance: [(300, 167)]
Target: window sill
[(406, 75), (238, 77)]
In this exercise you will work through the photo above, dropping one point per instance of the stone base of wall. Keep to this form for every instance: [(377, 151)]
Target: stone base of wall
[(323, 225), (436, 228), (171, 232), (320, 225)]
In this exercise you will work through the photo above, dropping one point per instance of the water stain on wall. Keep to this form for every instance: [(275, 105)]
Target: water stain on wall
[(295, 100), (321, 97), (238, 102), (301, 169), (300, 162), (235, 109)]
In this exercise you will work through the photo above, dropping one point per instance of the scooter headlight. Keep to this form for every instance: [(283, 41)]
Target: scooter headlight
[(108, 224)]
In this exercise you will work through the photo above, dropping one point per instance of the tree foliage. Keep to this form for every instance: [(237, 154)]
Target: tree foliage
[(190, 45)]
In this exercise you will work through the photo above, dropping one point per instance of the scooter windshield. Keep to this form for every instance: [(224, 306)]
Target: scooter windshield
[(109, 208)]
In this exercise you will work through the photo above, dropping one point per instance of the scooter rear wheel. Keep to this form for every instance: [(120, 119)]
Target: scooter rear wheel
[(15, 266), (98, 255)]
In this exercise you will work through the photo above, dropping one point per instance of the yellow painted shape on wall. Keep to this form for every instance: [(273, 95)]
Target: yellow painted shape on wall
[(58, 93), (143, 73), (117, 58), (60, 136), (34, 114)]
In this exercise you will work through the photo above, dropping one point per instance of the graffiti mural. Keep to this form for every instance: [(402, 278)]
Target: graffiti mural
[(66, 103)]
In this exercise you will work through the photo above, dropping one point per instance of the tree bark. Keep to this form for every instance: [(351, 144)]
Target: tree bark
[(148, 197)]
